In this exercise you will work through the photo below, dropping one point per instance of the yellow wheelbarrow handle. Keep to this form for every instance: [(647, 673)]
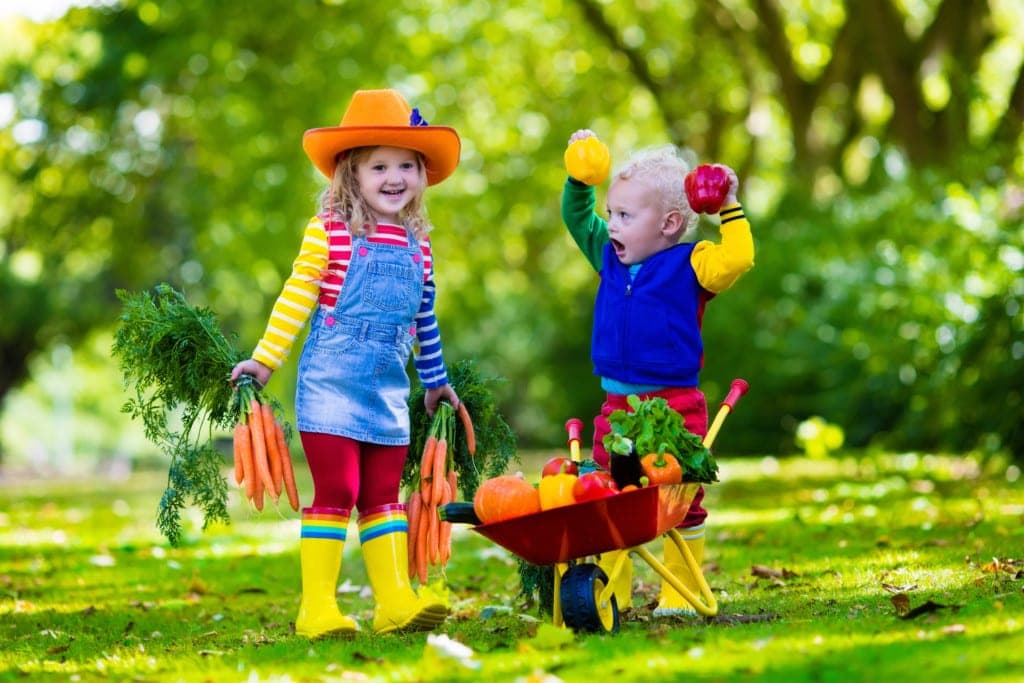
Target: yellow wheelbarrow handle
[(736, 390)]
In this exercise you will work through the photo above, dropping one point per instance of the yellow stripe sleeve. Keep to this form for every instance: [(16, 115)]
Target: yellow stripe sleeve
[(297, 299), (718, 266)]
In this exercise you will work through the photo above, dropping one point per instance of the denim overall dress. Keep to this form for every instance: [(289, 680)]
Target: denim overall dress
[(352, 377)]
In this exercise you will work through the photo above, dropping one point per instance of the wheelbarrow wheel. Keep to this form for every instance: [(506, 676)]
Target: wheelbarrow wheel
[(580, 592)]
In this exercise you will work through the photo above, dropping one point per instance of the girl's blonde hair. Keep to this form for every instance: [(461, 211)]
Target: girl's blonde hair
[(663, 171), (342, 200)]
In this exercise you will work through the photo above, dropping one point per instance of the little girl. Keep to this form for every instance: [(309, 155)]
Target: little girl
[(364, 274)]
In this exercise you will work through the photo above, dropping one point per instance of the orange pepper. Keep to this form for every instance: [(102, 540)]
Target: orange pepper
[(661, 469)]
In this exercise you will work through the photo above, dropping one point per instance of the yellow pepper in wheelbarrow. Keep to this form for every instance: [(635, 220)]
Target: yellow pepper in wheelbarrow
[(555, 490)]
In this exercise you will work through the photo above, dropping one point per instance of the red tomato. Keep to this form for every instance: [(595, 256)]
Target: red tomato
[(592, 486), (706, 187), (559, 465)]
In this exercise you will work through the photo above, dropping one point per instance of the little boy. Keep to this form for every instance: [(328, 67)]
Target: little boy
[(650, 303)]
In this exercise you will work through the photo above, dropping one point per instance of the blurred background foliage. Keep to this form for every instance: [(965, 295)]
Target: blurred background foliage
[(146, 141)]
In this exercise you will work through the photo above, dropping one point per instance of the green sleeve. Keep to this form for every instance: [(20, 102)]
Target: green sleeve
[(589, 230)]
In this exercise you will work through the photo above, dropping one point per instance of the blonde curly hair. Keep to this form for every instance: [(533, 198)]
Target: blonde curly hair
[(342, 200), (663, 170)]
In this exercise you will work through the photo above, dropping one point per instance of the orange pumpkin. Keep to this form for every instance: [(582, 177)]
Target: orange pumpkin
[(505, 497)]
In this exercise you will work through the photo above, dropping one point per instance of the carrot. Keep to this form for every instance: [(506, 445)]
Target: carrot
[(440, 468), (421, 545), (414, 527), (237, 446), (427, 468), (433, 534), (467, 425), (273, 455), (244, 439), (257, 499), (453, 482), (287, 473), (259, 445), (445, 530)]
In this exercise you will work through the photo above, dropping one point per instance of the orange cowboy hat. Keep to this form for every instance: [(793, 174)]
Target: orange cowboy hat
[(383, 117)]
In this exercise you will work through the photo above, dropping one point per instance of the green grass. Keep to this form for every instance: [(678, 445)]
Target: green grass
[(90, 591)]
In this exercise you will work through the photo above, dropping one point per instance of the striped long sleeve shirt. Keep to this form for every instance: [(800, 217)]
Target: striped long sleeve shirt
[(317, 276)]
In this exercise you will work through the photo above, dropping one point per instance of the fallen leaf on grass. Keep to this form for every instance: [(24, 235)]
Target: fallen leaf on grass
[(764, 572), (550, 637), (901, 602), (905, 588), (926, 608), (362, 657), (954, 629), (741, 618), (1006, 564)]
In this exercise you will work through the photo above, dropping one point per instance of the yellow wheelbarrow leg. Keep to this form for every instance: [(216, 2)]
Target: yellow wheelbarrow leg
[(556, 608), (708, 606)]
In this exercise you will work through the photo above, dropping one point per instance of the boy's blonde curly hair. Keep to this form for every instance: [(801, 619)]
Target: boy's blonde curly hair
[(663, 170), (341, 200)]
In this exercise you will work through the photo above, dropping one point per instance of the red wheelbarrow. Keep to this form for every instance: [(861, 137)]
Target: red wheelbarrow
[(568, 536)]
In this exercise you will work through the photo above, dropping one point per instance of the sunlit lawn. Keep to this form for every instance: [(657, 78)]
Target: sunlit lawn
[(812, 562)]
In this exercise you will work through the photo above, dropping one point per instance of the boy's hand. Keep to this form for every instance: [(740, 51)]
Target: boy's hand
[(734, 186), (582, 134), (586, 158)]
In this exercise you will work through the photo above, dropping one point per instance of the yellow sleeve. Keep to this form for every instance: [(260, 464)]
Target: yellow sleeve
[(718, 266), (297, 299)]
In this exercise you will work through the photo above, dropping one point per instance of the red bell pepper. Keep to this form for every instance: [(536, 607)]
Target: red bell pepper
[(706, 188)]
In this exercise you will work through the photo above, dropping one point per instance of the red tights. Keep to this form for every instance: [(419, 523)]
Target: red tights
[(690, 403), (348, 473)]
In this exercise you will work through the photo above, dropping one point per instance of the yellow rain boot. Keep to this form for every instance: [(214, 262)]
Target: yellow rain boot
[(671, 602), (624, 582), (320, 548), (384, 533)]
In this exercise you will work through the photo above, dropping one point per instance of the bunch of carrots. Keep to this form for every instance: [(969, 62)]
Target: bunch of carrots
[(263, 462), (430, 538)]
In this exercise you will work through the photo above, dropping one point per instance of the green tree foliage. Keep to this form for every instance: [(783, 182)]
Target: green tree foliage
[(147, 142)]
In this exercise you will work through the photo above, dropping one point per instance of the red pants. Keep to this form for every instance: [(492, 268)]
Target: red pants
[(688, 402), (349, 473)]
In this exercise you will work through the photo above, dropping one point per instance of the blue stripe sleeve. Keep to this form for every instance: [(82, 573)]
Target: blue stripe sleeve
[(428, 359)]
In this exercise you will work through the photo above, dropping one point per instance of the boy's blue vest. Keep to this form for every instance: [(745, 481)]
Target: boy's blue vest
[(647, 328)]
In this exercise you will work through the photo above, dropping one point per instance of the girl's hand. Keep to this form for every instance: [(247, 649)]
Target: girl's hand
[(254, 368), (433, 396)]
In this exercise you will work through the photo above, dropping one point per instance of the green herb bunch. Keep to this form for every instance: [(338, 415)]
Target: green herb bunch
[(654, 427), (177, 363), (495, 441)]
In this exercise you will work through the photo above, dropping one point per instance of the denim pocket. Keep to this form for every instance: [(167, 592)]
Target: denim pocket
[(389, 286)]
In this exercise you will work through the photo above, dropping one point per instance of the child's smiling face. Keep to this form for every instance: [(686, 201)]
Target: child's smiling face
[(638, 226), (389, 178)]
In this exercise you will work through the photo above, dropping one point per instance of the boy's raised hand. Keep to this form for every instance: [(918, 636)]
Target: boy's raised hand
[(587, 158), (734, 186)]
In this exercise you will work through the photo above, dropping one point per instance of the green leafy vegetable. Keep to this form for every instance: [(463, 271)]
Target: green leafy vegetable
[(176, 362), (654, 427), (495, 442)]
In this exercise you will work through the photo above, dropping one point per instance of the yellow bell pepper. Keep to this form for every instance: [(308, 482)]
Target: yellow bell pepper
[(588, 160), (555, 490)]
